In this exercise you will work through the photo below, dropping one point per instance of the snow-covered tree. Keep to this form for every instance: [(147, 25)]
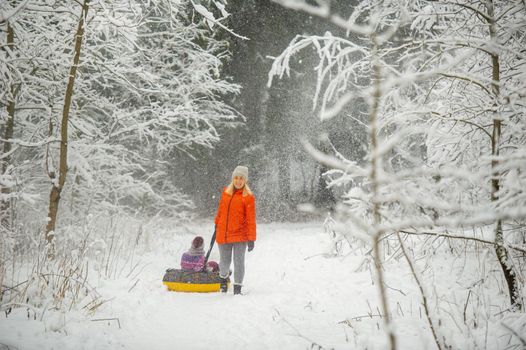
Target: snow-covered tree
[(444, 86), (475, 110), (144, 79)]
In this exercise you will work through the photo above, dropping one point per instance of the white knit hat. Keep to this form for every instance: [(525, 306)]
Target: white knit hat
[(242, 171)]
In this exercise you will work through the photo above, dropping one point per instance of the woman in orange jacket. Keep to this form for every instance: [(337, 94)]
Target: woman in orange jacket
[(235, 227)]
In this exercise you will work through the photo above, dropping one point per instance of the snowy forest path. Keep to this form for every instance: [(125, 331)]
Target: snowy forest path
[(294, 294), (299, 297)]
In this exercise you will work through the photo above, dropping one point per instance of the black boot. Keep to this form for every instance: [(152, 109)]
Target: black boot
[(223, 286), (237, 289)]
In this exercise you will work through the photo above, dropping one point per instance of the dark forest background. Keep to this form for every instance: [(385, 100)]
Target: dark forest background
[(282, 174)]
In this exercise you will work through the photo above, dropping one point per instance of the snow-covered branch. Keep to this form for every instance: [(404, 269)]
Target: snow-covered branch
[(6, 16)]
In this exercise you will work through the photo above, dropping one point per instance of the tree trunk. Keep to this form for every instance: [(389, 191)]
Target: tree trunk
[(5, 206), (377, 255), (324, 198), (500, 249), (284, 178), (54, 196)]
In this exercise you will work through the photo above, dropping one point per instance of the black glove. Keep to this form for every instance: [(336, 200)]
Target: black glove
[(250, 245)]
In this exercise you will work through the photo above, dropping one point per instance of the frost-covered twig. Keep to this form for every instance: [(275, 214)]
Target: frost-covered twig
[(455, 221), (476, 239), (515, 333), (359, 318), (333, 162), (209, 16), (4, 17), (313, 344), (422, 292), (31, 144)]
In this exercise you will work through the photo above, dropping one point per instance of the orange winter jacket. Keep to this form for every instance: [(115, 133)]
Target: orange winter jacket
[(236, 218)]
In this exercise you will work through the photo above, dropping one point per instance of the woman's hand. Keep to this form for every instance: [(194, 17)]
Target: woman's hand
[(250, 245)]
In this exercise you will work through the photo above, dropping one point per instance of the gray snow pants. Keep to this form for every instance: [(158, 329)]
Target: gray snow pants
[(225, 259)]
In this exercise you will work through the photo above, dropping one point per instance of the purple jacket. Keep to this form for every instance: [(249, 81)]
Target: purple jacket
[(192, 262)]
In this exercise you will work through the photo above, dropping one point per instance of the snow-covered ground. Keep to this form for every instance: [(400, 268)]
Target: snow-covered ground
[(297, 297)]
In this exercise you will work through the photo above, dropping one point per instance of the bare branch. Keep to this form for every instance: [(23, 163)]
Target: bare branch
[(477, 11), (421, 288), (481, 128), (31, 144), (515, 333), (467, 78), (480, 240)]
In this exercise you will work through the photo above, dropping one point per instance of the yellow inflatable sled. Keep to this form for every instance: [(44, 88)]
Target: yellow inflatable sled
[(203, 281), (179, 280)]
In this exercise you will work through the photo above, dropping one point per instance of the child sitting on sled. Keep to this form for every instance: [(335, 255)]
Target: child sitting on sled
[(194, 258)]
